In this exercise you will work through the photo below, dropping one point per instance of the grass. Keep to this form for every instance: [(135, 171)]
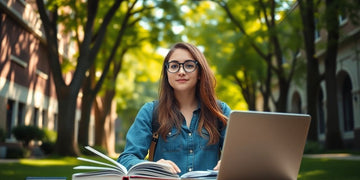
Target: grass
[(63, 167), (329, 169), (52, 167)]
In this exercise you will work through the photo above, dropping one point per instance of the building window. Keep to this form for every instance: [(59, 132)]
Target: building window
[(347, 105), (21, 114), (36, 117), (44, 118), (9, 117)]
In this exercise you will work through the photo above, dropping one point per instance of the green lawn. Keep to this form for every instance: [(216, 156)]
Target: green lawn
[(53, 167), (329, 169), (62, 167)]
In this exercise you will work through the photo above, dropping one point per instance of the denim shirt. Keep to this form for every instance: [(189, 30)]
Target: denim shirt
[(187, 149)]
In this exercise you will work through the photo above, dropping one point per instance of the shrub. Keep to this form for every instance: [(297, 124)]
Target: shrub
[(48, 147), (16, 152), (49, 136), (313, 147), (48, 141), (25, 134)]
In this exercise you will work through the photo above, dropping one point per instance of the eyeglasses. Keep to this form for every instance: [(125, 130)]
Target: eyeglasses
[(188, 66)]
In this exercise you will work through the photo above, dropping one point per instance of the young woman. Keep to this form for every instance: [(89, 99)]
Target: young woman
[(191, 120)]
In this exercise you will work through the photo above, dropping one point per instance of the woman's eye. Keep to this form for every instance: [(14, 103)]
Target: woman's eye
[(174, 66)]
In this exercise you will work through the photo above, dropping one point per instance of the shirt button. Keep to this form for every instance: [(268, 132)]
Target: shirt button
[(191, 151), (190, 134), (190, 169)]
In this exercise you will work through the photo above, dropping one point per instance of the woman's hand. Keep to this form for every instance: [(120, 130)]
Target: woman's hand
[(217, 167), (174, 168)]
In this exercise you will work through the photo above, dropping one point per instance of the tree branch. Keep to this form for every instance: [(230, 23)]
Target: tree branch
[(293, 65), (50, 30), (116, 46), (102, 30)]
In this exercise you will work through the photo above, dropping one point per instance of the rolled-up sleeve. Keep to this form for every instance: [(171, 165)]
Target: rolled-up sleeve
[(226, 111), (138, 138)]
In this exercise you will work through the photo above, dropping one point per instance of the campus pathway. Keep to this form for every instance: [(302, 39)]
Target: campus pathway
[(342, 156), (9, 160)]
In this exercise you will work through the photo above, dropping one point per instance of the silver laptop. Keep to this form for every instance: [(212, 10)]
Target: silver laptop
[(263, 145)]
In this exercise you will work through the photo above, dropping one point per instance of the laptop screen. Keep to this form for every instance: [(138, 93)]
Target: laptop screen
[(263, 145)]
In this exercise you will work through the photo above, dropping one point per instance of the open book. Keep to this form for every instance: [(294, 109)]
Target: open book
[(145, 170), (114, 170)]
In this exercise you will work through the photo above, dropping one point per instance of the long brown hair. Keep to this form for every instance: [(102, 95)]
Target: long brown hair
[(168, 108)]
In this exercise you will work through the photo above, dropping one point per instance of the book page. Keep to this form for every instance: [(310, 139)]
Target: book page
[(107, 158), (101, 163), (97, 168), (152, 169), (143, 170)]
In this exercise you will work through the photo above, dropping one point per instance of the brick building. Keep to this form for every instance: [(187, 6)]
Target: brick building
[(27, 91)]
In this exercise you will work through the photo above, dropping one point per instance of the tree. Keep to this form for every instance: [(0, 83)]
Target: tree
[(273, 54), (132, 42), (92, 86), (246, 69), (68, 93), (313, 76), (332, 10), (333, 138)]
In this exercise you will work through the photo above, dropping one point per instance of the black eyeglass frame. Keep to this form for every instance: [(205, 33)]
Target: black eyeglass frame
[(181, 64)]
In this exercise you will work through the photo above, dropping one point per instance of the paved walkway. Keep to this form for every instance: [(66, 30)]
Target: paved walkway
[(9, 160), (343, 156)]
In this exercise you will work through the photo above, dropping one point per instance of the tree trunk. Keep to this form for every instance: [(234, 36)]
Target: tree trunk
[(65, 143), (333, 135), (283, 82), (110, 130), (100, 116), (105, 122), (92, 87), (86, 105), (281, 103), (67, 94), (104, 110), (312, 73)]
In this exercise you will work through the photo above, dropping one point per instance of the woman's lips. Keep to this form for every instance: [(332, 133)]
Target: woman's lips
[(181, 80)]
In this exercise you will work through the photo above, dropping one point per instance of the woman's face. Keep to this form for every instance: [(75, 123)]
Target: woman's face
[(182, 80)]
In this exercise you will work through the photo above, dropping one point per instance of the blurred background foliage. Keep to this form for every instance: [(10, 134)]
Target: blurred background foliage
[(252, 47), (205, 24)]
